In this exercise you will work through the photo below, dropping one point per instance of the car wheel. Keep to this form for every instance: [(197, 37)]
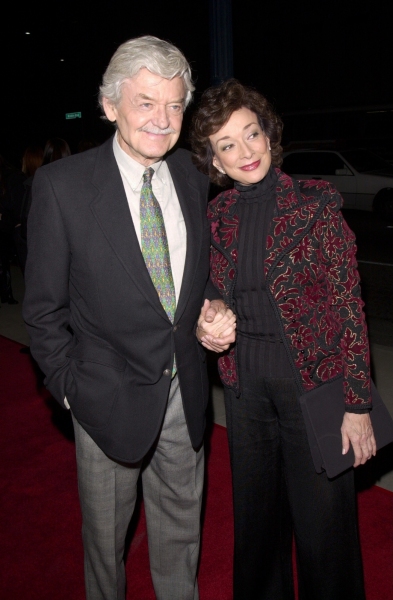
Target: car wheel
[(383, 204)]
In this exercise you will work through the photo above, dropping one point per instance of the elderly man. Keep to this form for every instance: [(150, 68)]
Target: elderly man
[(117, 272)]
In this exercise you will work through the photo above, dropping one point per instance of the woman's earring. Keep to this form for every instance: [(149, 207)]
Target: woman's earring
[(269, 147)]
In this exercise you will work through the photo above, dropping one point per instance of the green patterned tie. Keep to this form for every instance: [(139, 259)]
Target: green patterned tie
[(154, 246)]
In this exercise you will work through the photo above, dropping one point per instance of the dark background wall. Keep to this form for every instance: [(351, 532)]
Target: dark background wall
[(304, 55)]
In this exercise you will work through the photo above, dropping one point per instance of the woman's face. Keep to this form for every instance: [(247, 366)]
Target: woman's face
[(241, 149)]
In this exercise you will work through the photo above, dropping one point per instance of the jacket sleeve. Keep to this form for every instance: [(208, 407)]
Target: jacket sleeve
[(339, 260), (46, 309), (211, 292)]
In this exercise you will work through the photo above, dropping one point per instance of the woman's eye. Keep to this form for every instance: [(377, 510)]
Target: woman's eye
[(254, 135), (227, 147)]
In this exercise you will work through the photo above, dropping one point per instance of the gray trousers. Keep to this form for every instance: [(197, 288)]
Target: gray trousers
[(172, 479)]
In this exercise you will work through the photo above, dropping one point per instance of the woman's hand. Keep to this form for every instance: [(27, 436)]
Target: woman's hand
[(216, 326), (358, 431)]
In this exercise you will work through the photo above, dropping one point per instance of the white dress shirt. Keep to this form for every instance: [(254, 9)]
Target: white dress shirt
[(132, 175)]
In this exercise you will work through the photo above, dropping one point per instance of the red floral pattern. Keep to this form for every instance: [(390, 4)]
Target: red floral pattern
[(312, 276)]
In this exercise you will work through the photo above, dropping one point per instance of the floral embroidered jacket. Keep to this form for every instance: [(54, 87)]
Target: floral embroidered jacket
[(312, 282)]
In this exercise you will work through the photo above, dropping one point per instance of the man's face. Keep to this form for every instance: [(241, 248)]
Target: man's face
[(149, 115)]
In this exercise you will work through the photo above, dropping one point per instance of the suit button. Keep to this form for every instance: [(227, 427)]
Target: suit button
[(167, 372), (175, 328)]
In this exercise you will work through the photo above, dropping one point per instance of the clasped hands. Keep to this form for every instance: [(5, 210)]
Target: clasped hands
[(216, 328)]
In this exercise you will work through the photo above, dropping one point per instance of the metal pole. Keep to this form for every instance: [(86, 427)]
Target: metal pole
[(221, 45)]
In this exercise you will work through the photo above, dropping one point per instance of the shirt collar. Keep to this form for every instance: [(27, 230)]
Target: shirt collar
[(132, 169)]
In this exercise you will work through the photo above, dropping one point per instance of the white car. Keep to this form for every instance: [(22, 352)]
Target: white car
[(364, 179)]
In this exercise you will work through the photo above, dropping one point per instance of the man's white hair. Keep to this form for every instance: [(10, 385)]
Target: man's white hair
[(147, 52)]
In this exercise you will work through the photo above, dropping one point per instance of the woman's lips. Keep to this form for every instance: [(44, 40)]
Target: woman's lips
[(251, 166)]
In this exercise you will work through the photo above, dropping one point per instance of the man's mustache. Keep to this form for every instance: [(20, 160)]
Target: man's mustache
[(157, 130)]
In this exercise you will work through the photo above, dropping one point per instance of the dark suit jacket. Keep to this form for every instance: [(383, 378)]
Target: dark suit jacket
[(98, 330)]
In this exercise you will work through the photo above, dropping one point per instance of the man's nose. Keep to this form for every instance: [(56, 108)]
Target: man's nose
[(160, 117)]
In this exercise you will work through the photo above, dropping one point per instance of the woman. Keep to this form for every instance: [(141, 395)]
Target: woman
[(55, 149), (283, 258), (31, 161), (11, 191)]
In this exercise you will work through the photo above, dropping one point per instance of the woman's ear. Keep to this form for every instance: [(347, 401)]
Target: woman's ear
[(217, 164), (268, 142)]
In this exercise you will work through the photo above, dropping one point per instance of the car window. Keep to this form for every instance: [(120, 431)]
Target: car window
[(365, 161), (312, 163)]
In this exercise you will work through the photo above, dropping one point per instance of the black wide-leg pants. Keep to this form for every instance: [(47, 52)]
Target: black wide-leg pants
[(277, 493)]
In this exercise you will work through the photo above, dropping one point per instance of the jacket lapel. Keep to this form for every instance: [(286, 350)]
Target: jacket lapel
[(110, 209), (295, 215), (224, 222)]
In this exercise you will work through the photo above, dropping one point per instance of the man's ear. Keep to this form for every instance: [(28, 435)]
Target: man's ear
[(109, 109)]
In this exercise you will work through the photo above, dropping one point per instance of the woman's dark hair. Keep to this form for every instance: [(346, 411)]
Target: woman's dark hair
[(86, 144), (55, 148), (32, 159), (4, 170), (215, 109)]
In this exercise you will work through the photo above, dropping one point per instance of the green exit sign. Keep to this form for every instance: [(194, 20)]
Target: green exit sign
[(74, 115)]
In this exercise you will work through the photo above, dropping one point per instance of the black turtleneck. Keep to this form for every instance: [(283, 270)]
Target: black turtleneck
[(260, 348)]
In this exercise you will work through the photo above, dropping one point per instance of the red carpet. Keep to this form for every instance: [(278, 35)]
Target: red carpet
[(41, 550)]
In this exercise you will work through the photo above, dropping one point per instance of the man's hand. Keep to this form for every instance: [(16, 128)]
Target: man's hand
[(358, 431), (216, 326)]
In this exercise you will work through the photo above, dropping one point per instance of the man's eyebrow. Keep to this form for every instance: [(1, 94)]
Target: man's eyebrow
[(146, 97)]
